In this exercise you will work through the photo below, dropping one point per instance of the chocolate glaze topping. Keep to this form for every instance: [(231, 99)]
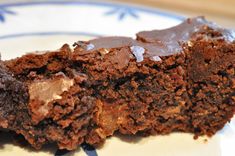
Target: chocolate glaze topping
[(180, 32), (152, 49), (169, 40), (111, 42), (161, 42)]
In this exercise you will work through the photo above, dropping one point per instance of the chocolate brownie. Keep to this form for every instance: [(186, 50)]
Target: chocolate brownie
[(178, 79)]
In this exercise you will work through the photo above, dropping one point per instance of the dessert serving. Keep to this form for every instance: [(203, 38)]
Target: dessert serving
[(177, 79)]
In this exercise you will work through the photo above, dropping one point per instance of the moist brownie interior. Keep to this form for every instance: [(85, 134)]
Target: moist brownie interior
[(178, 79)]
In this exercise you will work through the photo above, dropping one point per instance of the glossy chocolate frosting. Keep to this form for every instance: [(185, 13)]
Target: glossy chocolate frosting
[(159, 42)]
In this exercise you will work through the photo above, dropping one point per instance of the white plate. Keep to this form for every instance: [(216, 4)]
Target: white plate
[(30, 26)]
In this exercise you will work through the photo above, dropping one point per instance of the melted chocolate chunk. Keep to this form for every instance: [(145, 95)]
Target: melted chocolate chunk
[(43, 92)]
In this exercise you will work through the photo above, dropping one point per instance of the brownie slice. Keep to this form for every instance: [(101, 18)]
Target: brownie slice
[(178, 79)]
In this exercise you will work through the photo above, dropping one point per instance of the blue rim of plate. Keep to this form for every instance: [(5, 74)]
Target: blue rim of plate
[(80, 2)]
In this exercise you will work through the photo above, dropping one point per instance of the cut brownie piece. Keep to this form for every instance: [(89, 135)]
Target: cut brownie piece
[(178, 79)]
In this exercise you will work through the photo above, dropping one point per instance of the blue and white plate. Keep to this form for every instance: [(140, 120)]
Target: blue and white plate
[(29, 26)]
